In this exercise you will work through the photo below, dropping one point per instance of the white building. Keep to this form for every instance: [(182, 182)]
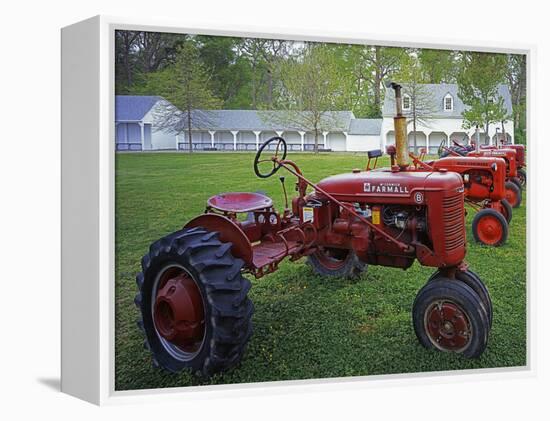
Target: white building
[(245, 130), (446, 122), (135, 128)]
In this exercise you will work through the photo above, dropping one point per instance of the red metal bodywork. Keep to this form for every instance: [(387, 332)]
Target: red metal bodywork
[(484, 178), (509, 155), (520, 153)]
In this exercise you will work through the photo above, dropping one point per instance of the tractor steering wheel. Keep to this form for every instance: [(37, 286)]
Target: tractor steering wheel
[(441, 148), (280, 148)]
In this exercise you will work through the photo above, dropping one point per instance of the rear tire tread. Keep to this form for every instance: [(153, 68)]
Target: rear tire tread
[(224, 289)]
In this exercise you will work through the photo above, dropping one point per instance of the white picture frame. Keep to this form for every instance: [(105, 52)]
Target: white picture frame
[(88, 212)]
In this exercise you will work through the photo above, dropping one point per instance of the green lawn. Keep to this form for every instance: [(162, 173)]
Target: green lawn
[(306, 326)]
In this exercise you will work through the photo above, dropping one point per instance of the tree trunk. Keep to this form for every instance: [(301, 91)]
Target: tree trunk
[(377, 79), (414, 132), (316, 145), (269, 88), (189, 130)]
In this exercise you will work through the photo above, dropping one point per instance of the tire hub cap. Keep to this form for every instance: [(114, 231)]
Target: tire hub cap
[(511, 197), (179, 312), (448, 326), (489, 230)]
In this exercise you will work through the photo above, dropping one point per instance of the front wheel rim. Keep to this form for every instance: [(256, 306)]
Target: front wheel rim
[(489, 230), (511, 197), (178, 312), (447, 326)]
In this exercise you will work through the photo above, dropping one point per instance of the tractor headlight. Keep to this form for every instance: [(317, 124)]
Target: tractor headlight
[(494, 166)]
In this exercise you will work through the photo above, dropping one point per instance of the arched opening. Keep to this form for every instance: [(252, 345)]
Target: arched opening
[(390, 138), (498, 138), (435, 140), (415, 147)]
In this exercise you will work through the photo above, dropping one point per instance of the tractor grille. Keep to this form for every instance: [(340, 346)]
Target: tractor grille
[(453, 222)]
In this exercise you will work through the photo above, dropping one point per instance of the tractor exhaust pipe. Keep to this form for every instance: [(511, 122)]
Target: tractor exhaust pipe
[(400, 127), (478, 146)]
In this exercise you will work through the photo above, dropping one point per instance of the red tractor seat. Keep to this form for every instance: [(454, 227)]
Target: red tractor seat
[(239, 202)]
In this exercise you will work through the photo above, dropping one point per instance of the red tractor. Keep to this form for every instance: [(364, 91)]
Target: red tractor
[(513, 183), (484, 191), (520, 160), (193, 297)]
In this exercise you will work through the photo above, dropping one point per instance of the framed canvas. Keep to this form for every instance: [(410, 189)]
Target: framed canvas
[(244, 209)]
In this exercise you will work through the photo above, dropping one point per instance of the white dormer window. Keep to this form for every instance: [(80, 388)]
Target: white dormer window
[(406, 102), (448, 102)]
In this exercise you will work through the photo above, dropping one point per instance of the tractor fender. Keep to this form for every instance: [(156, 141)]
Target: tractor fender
[(229, 232)]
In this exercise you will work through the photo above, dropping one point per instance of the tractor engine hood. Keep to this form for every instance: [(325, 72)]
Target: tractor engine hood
[(385, 186)]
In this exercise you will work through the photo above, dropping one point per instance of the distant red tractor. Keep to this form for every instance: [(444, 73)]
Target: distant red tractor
[(513, 184), (484, 191), (193, 298), (520, 160)]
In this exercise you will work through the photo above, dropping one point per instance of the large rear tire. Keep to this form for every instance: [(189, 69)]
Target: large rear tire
[(449, 316), (513, 194), (195, 312), (327, 261), (489, 227)]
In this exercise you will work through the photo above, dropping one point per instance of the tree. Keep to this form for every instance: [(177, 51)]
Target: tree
[(125, 43), (309, 92), (517, 82), (438, 66), (138, 53), (186, 84), (478, 83), (382, 62), (422, 104), (264, 56)]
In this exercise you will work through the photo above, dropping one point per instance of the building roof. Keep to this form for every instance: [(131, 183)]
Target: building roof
[(133, 107), (365, 126), (437, 92), (263, 120)]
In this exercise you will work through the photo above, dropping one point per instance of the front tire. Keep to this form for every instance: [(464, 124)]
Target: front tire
[(328, 261), (506, 210), (450, 317), (195, 312), (513, 194), (522, 175), (517, 182), (489, 227), (476, 284)]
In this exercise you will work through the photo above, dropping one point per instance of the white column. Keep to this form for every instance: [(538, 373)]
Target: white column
[(346, 135), (257, 133), (427, 142), (142, 129), (279, 133), (234, 133), (177, 141), (302, 134), (325, 140), (212, 133), (448, 139)]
